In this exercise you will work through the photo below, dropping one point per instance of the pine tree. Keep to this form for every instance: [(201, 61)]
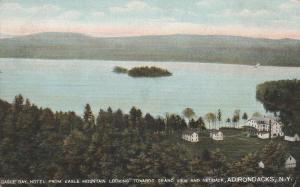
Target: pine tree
[(18, 103), (88, 117), (245, 116), (219, 116)]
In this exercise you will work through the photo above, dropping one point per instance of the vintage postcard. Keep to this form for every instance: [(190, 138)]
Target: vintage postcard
[(150, 93)]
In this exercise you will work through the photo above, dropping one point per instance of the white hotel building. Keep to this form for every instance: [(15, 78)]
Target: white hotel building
[(262, 125)]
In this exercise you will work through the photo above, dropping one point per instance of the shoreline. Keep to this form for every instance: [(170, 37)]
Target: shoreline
[(148, 61)]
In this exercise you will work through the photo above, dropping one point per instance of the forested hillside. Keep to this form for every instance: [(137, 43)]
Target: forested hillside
[(38, 143), (191, 48)]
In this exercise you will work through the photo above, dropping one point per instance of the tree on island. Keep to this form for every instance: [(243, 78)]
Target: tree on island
[(143, 71), (146, 71), (119, 69)]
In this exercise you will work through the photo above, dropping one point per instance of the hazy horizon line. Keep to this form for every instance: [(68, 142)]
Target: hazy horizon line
[(7, 35)]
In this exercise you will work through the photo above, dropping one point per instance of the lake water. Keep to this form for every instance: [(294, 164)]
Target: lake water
[(70, 84)]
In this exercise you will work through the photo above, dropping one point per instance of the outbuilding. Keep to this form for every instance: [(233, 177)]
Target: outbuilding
[(217, 135), (261, 164), (290, 162), (190, 135), (294, 138)]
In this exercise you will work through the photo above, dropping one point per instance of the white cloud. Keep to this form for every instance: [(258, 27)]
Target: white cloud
[(289, 5), (10, 7), (209, 17), (69, 15), (145, 28), (206, 3), (131, 6), (184, 12), (246, 13), (44, 8), (15, 11), (16, 8)]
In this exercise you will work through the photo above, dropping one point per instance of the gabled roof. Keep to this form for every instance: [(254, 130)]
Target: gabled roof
[(190, 131), (261, 164), (263, 120), (216, 132), (288, 156)]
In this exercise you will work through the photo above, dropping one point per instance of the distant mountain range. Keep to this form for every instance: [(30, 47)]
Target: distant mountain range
[(192, 48)]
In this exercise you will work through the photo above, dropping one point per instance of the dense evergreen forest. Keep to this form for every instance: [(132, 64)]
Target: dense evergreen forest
[(39, 143), (282, 97)]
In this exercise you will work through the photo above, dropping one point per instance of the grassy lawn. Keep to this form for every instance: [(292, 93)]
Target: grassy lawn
[(235, 144)]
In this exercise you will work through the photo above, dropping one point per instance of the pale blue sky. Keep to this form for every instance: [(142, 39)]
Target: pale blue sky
[(256, 18)]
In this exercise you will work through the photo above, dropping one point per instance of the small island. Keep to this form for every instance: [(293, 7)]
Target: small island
[(143, 71), (119, 69)]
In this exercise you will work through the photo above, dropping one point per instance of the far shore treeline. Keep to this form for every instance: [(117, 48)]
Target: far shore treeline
[(143, 71), (177, 48)]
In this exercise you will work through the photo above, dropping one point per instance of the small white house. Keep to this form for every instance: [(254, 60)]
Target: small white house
[(261, 164), (190, 135), (294, 138), (290, 162), (217, 135)]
